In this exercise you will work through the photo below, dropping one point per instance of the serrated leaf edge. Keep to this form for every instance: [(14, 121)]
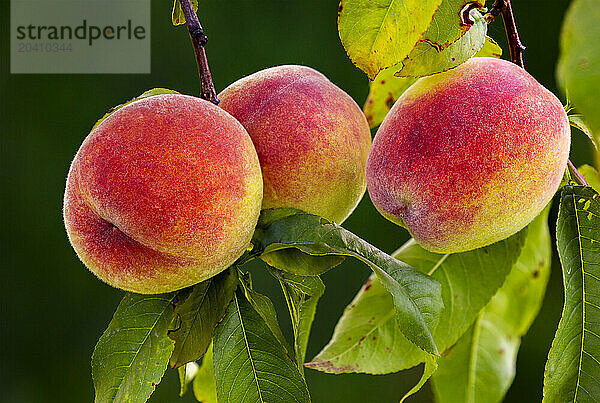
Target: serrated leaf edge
[(158, 317)]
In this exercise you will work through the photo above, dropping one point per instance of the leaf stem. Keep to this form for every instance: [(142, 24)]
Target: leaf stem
[(199, 40), (516, 54), (577, 176)]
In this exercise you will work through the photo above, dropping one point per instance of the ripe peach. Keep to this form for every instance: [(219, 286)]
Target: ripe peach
[(468, 157), (311, 137), (163, 193)]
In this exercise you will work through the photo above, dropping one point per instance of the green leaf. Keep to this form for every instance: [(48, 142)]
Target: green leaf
[(429, 369), (449, 23), (198, 316), (416, 297), (132, 354), (490, 49), (383, 92), (264, 306), (366, 339), (292, 260), (302, 295), (578, 122), (481, 366), (296, 262), (146, 94), (186, 374), (250, 363), (447, 43), (183, 380), (177, 16), (269, 216), (380, 34), (520, 298), (205, 387), (152, 92), (573, 366), (578, 69)]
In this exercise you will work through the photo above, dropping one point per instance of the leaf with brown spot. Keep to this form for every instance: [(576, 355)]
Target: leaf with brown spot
[(384, 91), (469, 280), (447, 43), (379, 34)]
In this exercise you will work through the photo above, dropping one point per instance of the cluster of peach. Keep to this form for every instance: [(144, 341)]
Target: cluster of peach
[(166, 191)]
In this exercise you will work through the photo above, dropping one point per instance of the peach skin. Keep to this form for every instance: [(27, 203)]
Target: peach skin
[(469, 157), (164, 193), (312, 139)]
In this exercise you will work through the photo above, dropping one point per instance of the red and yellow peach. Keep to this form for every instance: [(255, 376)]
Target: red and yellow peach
[(311, 137), (164, 193), (468, 157)]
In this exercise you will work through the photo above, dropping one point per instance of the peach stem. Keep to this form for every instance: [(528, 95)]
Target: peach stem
[(199, 39), (516, 46)]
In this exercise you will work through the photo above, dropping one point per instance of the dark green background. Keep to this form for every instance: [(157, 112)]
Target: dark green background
[(54, 310)]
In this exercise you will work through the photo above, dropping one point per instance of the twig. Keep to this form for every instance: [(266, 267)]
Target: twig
[(199, 39), (514, 42), (516, 54)]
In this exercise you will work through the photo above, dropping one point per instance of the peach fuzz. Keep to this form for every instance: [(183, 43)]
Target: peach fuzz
[(469, 157), (311, 137), (164, 193)]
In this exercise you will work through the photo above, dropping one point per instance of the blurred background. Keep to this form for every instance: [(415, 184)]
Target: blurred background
[(53, 310)]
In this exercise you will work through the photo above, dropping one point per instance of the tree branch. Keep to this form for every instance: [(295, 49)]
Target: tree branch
[(514, 42), (199, 39)]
